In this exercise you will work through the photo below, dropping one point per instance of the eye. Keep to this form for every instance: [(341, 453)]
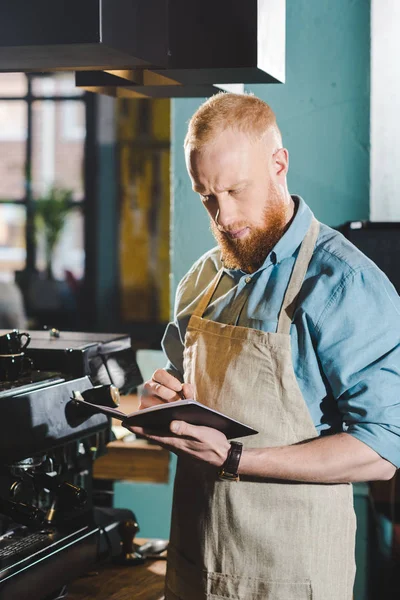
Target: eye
[(205, 198)]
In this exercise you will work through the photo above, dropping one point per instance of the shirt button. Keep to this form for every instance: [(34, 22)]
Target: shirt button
[(248, 280)]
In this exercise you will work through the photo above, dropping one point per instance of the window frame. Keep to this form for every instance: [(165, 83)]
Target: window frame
[(27, 200)]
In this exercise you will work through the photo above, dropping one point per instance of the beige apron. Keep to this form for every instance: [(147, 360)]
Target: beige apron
[(256, 539)]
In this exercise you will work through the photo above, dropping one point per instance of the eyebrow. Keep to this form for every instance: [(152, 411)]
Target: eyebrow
[(199, 189)]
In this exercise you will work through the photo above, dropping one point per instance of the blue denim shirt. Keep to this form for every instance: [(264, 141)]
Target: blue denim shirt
[(345, 333)]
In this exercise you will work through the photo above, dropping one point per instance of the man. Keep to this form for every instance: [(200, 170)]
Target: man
[(288, 328)]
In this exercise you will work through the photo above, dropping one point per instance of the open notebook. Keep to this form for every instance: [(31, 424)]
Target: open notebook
[(158, 418)]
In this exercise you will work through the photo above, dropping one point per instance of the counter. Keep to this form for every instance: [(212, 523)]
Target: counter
[(112, 582)]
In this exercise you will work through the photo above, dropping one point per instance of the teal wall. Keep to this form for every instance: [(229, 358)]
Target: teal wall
[(323, 112), (151, 503)]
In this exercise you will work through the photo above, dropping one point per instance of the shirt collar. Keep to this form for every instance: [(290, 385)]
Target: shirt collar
[(293, 236), (291, 239)]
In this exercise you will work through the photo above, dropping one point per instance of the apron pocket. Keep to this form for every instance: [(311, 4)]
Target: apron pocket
[(225, 586)]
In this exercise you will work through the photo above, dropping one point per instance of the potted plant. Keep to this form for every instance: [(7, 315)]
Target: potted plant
[(50, 212)]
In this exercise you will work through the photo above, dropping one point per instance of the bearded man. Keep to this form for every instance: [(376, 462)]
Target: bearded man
[(286, 327)]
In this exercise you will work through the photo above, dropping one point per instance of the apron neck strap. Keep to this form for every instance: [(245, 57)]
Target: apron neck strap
[(297, 278), (210, 289)]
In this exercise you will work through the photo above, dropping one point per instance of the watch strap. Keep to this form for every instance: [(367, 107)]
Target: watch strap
[(230, 468)]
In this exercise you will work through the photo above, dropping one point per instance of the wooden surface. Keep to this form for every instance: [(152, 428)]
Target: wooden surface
[(132, 461), (141, 582)]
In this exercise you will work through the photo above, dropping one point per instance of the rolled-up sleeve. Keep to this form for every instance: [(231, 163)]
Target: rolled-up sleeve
[(172, 342), (358, 345), (190, 288), (173, 349)]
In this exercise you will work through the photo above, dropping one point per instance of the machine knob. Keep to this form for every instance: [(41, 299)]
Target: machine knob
[(102, 395)]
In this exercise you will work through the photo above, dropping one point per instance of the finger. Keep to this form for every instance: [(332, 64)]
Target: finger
[(183, 429), (163, 440), (162, 376), (138, 430), (141, 431), (188, 390), (148, 401), (129, 428), (154, 388), (147, 432)]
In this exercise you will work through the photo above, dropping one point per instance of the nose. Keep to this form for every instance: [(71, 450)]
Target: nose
[(226, 213)]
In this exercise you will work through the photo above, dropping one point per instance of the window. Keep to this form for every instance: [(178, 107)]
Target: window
[(42, 144)]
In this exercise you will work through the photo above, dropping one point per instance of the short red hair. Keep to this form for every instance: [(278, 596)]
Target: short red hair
[(243, 112)]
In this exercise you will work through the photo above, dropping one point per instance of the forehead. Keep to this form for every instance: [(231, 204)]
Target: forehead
[(231, 156)]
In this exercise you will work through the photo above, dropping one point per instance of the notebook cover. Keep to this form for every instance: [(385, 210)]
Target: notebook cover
[(158, 418)]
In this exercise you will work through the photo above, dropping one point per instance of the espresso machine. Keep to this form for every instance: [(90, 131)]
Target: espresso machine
[(49, 533)]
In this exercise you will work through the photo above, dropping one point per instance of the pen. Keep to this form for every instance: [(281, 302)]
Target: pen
[(182, 395)]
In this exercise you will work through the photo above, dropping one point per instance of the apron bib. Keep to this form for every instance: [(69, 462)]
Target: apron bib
[(259, 538)]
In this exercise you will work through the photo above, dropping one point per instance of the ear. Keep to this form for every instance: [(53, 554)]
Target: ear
[(281, 163)]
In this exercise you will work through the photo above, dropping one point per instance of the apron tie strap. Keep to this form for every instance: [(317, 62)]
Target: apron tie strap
[(209, 291), (297, 278)]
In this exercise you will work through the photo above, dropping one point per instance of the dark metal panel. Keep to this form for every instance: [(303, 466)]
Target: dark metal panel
[(64, 57), (43, 573), (137, 27), (92, 78), (30, 230), (43, 419), (228, 41), (100, 294), (49, 22), (89, 295), (196, 42), (82, 34), (221, 75), (107, 83), (209, 34), (168, 91)]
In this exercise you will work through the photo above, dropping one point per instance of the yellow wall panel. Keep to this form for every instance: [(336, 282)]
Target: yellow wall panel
[(144, 151)]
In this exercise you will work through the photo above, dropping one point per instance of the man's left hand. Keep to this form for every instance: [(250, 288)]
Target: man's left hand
[(202, 443)]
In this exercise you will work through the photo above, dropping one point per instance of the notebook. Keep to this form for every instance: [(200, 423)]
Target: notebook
[(158, 418)]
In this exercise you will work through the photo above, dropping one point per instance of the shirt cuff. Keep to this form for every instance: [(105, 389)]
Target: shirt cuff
[(383, 440)]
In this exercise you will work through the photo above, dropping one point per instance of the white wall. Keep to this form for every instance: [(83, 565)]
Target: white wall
[(385, 111)]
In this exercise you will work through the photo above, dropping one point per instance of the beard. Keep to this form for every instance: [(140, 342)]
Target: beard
[(248, 254)]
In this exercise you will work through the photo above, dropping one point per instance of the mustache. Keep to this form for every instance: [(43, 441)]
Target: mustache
[(230, 228)]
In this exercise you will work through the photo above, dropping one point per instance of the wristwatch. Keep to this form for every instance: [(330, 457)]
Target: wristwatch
[(229, 470)]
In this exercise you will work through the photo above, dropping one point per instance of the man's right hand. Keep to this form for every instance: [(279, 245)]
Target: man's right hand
[(164, 387)]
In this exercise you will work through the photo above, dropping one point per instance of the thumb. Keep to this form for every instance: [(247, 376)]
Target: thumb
[(180, 427)]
